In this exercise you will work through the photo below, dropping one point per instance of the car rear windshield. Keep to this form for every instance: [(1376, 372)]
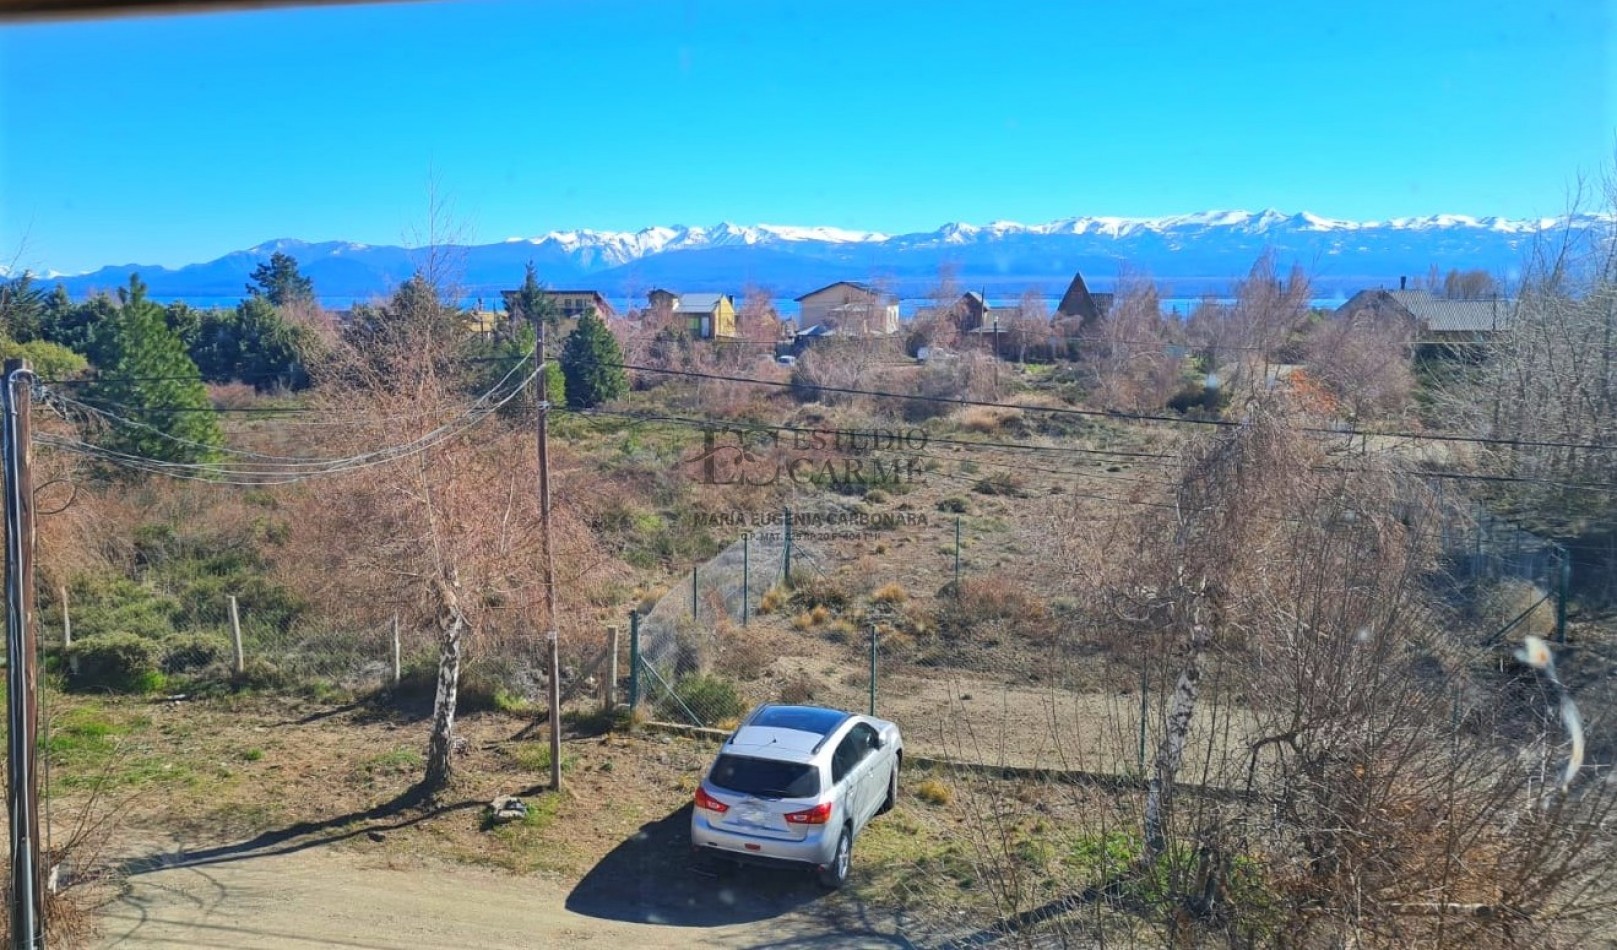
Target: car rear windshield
[(766, 778)]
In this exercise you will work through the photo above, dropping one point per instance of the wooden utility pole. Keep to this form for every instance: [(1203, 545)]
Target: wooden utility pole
[(67, 621), (542, 387), (22, 697)]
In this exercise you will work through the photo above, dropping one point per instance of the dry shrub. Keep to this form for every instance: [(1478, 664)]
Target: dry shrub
[(992, 606), (232, 395), (934, 791), (891, 594), (774, 598), (798, 688), (987, 420)]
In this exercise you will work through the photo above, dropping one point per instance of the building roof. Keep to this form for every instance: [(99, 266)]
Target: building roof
[(818, 330), (976, 297), (856, 285), (1078, 302), (1441, 315), (698, 303)]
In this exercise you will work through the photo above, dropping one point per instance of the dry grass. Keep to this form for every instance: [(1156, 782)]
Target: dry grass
[(934, 791), (891, 593), (987, 420)]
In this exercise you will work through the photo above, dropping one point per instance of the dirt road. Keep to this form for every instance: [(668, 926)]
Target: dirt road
[(340, 897)]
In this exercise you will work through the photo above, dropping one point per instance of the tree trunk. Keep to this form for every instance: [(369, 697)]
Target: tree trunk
[(1171, 751), (440, 747)]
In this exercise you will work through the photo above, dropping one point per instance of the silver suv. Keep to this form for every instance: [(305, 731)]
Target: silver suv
[(795, 785)]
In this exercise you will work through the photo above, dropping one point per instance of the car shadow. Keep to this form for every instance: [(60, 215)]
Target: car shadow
[(654, 878)]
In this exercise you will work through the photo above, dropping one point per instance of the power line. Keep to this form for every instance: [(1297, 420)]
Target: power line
[(1107, 414), (280, 470)]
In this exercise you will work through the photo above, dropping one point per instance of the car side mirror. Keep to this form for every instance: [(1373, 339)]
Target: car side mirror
[(875, 742)]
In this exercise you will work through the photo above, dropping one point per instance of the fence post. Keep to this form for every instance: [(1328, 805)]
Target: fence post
[(873, 669), (610, 699), (1145, 684), (553, 647), (398, 671), (957, 557), (746, 575), (693, 592), (235, 636), (1563, 585), (786, 569), (67, 621), (634, 661)]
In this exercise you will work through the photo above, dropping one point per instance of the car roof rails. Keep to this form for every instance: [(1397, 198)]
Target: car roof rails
[(831, 732)]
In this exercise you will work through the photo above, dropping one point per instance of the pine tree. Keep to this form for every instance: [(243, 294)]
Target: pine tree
[(279, 280), (273, 351), (148, 378), (22, 308), (529, 303), (592, 364)]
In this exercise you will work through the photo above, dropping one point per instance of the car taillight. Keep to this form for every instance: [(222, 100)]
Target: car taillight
[(818, 815), (704, 800)]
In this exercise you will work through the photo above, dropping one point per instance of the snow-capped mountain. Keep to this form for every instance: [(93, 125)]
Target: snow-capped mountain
[(1192, 253)]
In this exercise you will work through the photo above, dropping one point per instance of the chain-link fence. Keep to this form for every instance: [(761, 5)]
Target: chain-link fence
[(691, 662), (1501, 572)]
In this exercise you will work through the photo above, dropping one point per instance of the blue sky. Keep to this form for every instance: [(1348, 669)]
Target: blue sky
[(169, 140)]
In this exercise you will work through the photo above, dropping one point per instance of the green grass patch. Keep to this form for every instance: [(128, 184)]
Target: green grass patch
[(401, 761), (899, 852), (535, 757), (531, 844), (91, 745)]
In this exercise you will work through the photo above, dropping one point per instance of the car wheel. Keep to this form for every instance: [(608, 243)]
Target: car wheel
[(892, 792), (835, 874)]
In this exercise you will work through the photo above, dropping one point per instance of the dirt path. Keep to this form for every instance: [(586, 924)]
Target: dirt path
[(338, 897)]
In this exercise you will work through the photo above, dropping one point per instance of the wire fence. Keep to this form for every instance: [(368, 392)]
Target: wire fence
[(689, 665), (1498, 570)]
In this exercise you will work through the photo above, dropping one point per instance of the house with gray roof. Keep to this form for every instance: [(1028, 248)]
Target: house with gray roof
[(1432, 319), (707, 315)]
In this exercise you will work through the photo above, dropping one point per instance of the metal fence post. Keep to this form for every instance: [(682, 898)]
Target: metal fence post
[(786, 569), (873, 669), (1145, 683), (957, 556), (1563, 589), (693, 592), (235, 636), (746, 575), (634, 660), (609, 698)]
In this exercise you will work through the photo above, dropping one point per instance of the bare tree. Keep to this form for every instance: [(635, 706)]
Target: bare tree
[(1546, 390), (1127, 351), (1359, 765), (757, 321), (1364, 363), (448, 532), (1028, 326)]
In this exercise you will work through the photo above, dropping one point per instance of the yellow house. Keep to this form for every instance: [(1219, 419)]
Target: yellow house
[(707, 315)]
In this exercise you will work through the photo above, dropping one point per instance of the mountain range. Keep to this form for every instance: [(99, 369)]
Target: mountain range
[(1186, 254)]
